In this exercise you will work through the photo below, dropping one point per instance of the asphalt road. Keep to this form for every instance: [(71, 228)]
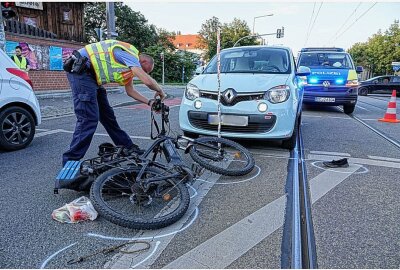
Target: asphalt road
[(231, 222)]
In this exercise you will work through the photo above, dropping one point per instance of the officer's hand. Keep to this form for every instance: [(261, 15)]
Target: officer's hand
[(160, 94)]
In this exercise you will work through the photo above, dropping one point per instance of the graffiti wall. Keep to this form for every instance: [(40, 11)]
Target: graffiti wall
[(41, 57)]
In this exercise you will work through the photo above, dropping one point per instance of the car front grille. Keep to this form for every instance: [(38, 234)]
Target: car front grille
[(236, 100), (257, 123)]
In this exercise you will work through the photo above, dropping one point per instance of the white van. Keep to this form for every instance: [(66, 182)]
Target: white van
[(19, 107)]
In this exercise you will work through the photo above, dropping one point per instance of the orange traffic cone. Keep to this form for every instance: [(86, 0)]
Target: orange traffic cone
[(390, 115)]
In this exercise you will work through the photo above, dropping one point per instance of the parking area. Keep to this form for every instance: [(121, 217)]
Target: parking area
[(231, 222)]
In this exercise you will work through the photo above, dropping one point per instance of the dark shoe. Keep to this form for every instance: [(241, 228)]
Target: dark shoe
[(133, 149), (78, 183), (340, 163)]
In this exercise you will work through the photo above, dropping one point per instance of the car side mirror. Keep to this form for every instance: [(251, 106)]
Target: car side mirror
[(199, 70), (303, 71), (359, 69)]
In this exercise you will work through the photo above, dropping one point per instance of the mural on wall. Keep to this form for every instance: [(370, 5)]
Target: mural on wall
[(41, 57)]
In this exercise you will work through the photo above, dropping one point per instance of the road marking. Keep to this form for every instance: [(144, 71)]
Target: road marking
[(385, 158), (49, 132), (331, 153), (55, 254), (324, 182), (226, 247), (42, 129), (363, 161), (148, 257), (319, 116), (362, 108)]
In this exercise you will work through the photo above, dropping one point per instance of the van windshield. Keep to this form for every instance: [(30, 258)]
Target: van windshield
[(326, 60), (252, 60)]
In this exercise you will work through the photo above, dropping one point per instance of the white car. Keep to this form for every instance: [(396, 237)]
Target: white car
[(19, 107)]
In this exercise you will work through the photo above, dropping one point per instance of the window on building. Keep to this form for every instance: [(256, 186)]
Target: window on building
[(66, 14)]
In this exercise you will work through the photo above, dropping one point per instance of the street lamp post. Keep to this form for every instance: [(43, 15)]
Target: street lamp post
[(254, 20)]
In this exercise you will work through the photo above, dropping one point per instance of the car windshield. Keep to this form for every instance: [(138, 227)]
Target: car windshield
[(252, 60), (326, 60)]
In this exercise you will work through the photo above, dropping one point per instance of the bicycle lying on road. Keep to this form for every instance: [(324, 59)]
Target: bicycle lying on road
[(142, 192)]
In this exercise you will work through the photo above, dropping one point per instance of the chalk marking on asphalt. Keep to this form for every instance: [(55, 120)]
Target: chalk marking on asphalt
[(235, 182), (363, 161), (362, 108), (55, 254), (340, 170), (194, 191), (49, 132), (324, 182), (331, 153), (148, 257), (196, 213), (226, 247), (385, 158)]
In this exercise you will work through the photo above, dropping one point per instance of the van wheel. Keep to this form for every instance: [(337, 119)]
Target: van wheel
[(17, 128), (348, 109)]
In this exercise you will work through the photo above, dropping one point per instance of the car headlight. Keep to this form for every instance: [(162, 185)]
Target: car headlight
[(192, 92), (278, 94), (352, 83)]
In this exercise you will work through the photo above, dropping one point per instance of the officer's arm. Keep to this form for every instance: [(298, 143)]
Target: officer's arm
[(148, 81), (133, 93)]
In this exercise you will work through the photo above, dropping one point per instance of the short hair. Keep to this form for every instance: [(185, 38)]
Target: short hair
[(148, 58), (18, 47)]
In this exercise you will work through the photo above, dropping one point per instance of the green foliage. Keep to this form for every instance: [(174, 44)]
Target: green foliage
[(379, 51), (230, 33)]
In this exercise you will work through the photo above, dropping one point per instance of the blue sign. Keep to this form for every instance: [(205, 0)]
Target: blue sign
[(10, 47)]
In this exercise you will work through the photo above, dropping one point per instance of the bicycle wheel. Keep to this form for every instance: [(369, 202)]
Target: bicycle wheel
[(119, 198), (222, 156)]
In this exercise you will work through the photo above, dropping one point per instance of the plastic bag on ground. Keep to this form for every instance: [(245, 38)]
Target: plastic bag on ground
[(78, 210)]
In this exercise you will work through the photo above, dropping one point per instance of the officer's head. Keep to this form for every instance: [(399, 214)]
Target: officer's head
[(18, 50), (147, 62)]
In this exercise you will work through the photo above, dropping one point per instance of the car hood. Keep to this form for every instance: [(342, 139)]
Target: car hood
[(241, 82)]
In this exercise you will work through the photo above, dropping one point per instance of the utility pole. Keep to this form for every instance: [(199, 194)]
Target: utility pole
[(162, 58), (110, 20), (2, 33)]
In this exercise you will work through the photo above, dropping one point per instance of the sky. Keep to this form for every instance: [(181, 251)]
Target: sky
[(339, 24)]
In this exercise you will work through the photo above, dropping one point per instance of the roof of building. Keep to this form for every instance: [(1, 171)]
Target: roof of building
[(185, 42)]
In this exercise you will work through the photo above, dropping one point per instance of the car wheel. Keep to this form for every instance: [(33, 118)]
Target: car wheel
[(291, 142), (190, 134), (363, 91), (17, 128), (348, 109)]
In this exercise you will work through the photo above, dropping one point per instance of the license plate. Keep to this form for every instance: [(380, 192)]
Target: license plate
[(324, 99), (229, 120)]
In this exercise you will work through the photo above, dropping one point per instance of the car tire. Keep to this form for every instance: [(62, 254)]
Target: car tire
[(191, 134), (349, 109), (16, 119), (291, 142), (363, 91)]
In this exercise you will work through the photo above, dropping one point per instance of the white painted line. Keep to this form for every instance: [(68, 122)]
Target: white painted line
[(331, 153), (363, 161), (362, 108), (385, 158), (224, 248), (327, 180), (55, 254), (57, 117), (42, 129), (54, 131), (106, 135), (319, 116)]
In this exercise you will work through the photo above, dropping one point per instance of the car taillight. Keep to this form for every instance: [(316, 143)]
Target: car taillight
[(20, 73)]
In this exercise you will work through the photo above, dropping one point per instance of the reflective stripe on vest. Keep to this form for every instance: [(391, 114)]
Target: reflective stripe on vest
[(21, 64), (104, 65)]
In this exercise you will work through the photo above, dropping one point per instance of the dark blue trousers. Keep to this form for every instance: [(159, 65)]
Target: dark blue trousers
[(91, 105)]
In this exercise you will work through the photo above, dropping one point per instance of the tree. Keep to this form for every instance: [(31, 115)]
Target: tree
[(208, 36)]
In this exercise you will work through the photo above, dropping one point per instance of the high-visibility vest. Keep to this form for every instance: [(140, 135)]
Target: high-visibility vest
[(104, 65), (21, 64)]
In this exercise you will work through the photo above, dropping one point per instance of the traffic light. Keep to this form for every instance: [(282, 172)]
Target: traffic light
[(283, 32), (7, 11), (278, 33)]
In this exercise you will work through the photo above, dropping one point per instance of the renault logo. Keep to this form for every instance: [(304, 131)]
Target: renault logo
[(326, 84), (229, 95)]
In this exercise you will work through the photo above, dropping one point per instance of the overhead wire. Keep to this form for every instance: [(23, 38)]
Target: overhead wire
[(365, 12), (315, 19), (345, 22), (309, 24)]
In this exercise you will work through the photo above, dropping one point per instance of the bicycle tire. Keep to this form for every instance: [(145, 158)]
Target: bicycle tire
[(195, 153), (132, 222)]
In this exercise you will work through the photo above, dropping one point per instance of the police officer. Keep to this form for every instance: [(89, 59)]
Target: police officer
[(108, 61), (20, 60)]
